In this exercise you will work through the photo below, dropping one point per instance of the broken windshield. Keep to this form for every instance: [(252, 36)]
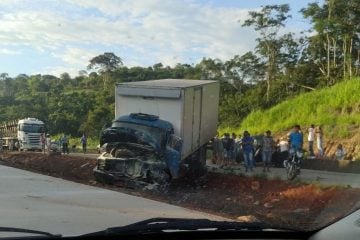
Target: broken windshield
[(143, 132)]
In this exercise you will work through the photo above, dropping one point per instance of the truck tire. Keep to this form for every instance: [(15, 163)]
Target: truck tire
[(104, 179)]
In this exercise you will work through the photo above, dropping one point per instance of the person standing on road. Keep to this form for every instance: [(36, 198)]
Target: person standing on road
[(283, 145), (227, 143), (247, 144), (65, 144), (220, 150), (48, 143), (233, 149), (319, 141), (284, 149), (83, 141), (311, 138), (43, 142), (296, 138), (280, 153), (216, 154), (237, 145), (267, 150), (1, 143)]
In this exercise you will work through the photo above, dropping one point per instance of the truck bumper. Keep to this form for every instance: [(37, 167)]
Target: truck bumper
[(104, 177), (110, 169)]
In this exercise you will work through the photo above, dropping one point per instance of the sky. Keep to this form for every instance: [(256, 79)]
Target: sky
[(57, 36)]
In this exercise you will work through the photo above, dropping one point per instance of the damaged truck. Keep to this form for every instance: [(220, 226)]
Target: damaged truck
[(160, 131)]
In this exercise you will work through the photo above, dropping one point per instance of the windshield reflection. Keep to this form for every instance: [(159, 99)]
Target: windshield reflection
[(155, 133), (32, 128)]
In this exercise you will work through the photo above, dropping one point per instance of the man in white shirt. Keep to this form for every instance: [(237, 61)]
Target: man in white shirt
[(283, 145), (282, 152), (48, 143), (311, 137)]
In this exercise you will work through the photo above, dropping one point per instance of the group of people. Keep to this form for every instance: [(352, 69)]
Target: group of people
[(63, 142), (228, 150), (316, 133)]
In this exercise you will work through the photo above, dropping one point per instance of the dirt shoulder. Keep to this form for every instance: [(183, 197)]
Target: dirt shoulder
[(77, 169), (272, 201)]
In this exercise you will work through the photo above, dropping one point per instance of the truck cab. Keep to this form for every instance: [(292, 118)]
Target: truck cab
[(139, 146), (29, 132)]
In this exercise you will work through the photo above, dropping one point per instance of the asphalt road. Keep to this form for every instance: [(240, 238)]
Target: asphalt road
[(34, 201), (310, 176)]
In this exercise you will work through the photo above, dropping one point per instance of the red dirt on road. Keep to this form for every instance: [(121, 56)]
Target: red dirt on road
[(294, 205)]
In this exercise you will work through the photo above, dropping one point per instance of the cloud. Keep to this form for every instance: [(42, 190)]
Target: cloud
[(72, 61), (76, 56), (141, 31), (9, 51)]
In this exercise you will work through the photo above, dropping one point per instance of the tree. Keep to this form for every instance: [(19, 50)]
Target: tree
[(105, 64), (247, 68), (158, 66), (268, 21), (211, 69), (4, 76), (65, 76), (335, 47)]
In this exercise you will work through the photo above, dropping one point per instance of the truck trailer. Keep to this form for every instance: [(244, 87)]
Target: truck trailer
[(160, 127)]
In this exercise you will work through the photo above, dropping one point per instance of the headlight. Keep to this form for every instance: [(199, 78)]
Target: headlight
[(299, 154)]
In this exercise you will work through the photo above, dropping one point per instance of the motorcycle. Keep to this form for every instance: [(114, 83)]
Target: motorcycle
[(292, 165)]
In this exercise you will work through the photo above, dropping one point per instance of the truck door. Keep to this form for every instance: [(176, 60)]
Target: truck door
[(196, 121)]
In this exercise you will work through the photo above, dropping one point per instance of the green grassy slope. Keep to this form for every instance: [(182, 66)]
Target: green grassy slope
[(336, 108)]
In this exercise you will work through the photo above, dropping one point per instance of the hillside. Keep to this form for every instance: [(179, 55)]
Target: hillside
[(337, 109)]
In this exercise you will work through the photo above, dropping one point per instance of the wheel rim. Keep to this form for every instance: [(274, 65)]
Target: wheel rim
[(291, 173)]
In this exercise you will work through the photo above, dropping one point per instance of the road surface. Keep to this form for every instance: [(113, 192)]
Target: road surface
[(307, 175), (34, 201)]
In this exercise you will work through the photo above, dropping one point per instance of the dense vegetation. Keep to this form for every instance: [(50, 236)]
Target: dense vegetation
[(281, 67), (337, 108)]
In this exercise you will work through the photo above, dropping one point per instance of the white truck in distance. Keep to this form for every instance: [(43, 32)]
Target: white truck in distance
[(23, 134), (159, 126)]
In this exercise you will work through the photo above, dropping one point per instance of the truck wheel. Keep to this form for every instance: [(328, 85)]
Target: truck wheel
[(104, 179)]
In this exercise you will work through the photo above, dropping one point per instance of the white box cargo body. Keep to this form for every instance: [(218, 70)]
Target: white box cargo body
[(190, 105)]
